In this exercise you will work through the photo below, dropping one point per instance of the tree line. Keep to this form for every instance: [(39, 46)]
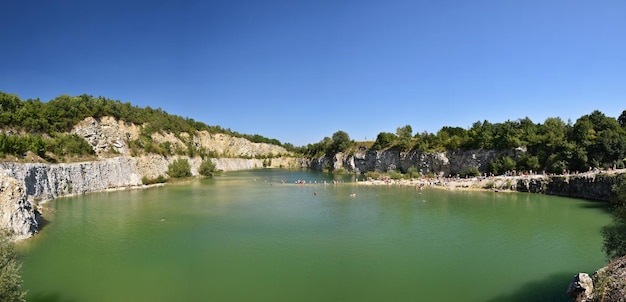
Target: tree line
[(592, 141), (43, 125)]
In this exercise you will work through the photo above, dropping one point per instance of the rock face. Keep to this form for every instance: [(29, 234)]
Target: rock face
[(444, 163), (607, 284), (581, 287), (591, 186), (17, 214), (610, 282), (108, 134), (24, 185)]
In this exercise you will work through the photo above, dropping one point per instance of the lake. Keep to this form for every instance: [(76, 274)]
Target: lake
[(246, 236)]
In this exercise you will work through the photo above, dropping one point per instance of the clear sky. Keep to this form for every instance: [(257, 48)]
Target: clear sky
[(298, 71)]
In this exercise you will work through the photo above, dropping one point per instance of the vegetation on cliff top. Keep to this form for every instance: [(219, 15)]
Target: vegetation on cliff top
[(594, 140), (43, 126)]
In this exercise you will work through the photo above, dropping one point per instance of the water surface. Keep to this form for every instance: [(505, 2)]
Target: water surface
[(246, 236)]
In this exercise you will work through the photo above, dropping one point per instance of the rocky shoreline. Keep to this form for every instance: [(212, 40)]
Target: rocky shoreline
[(591, 185)]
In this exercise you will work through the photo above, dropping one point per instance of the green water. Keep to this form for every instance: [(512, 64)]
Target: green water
[(245, 236)]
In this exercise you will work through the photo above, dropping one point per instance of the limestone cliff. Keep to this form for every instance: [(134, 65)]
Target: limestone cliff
[(444, 163), (17, 214), (107, 134), (24, 185), (592, 186)]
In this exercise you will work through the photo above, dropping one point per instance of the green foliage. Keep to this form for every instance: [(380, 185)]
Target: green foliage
[(207, 168), (594, 140), (340, 142), (63, 112), (470, 172), (395, 175), (528, 162), (621, 120), (70, 144), (179, 168), (147, 181), (384, 140), (404, 137), (501, 165), (60, 144), (413, 173), (340, 171), (615, 233), (10, 279), (373, 175)]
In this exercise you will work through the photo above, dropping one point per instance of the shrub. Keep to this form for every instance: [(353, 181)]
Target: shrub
[(395, 175), (10, 279), (471, 172), (207, 168), (150, 181), (179, 168), (615, 233), (413, 173), (372, 175)]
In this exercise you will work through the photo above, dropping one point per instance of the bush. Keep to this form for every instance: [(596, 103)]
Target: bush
[(395, 175), (471, 172), (150, 181), (207, 168), (413, 173), (10, 279), (179, 168), (372, 175), (615, 233)]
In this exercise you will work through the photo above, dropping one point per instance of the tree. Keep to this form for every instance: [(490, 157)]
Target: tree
[(207, 168), (622, 119), (340, 142), (615, 233), (179, 168), (404, 137), (501, 165), (10, 279), (383, 140)]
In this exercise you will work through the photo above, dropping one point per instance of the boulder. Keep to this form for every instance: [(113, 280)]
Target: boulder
[(581, 287)]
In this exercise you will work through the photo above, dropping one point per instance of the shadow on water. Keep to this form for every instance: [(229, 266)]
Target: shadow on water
[(43, 222), (553, 288), (601, 205), (47, 297)]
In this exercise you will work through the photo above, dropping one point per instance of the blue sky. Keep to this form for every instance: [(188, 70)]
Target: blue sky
[(300, 70)]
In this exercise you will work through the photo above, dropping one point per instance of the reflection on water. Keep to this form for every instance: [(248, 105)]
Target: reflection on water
[(258, 236)]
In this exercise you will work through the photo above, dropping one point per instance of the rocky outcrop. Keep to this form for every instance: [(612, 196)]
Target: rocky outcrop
[(581, 287), (607, 284), (592, 186), (47, 181), (107, 134), (440, 163), (17, 215)]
